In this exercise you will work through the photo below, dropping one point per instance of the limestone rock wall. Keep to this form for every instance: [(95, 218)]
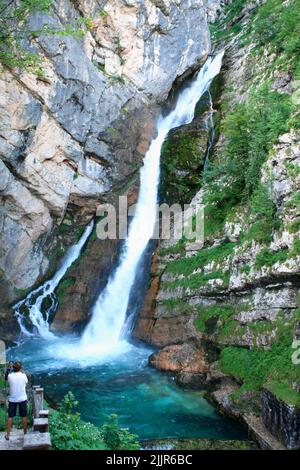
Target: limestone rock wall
[(77, 137)]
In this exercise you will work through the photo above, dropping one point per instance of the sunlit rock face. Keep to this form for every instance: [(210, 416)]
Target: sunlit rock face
[(77, 137)]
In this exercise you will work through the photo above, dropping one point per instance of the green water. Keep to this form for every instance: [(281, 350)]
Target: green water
[(148, 402)]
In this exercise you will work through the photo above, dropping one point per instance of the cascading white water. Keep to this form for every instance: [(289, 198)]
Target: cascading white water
[(211, 127), (108, 314), (33, 302)]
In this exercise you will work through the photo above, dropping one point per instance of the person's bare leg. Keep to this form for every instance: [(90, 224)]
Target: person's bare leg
[(24, 423), (9, 425)]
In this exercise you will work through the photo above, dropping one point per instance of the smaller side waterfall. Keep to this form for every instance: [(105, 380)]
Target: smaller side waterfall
[(211, 126), (33, 303)]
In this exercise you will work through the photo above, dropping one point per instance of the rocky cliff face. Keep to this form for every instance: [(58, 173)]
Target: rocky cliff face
[(76, 137), (236, 301)]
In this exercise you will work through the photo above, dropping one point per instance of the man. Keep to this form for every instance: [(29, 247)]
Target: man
[(17, 381)]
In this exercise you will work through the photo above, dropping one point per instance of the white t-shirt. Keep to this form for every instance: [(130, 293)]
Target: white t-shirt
[(17, 387)]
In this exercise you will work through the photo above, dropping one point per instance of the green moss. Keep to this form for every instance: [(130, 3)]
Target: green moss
[(188, 265), (173, 305), (229, 25), (217, 312), (231, 330), (174, 249), (246, 269), (294, 226), (182, 156), (198, 280), (267, 257), (263, 212), (283, 392), (295, 250), (63, 287), (257, 367)]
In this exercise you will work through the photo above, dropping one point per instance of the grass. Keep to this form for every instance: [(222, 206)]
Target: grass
[(197, 280), (218, 312), (268, 257), (257, 367), (283, 392), (216, 254)]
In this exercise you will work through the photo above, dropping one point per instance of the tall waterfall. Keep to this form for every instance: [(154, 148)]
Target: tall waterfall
[(33, 303), (103, 332)]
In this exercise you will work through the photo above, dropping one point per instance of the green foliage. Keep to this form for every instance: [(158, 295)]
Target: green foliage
[(262, 211), (69, 432), (283, 392), (257, 367), (219, 312), (14, 30), (198, 280), (295, 250), (188, 265), (267, 257), (276, 26), (3, 418), (116, 438), (182, 155), (229, 24), (63, 287), (250, 129)]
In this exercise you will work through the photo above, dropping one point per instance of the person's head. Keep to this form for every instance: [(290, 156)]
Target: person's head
[(17, 366)]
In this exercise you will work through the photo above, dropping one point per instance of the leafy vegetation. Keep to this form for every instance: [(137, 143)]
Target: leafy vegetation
[(268, 257), (276, 26), (250, 130), (70, 432), (219, 312), (16, 34), (263, 213), (257, 367), (211, 254), (116, 438)]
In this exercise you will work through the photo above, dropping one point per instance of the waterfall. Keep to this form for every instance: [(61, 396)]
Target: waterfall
[(211, 126), (33, 303), (103, 332)]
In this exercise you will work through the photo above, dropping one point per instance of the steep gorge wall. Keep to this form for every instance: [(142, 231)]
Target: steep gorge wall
[(226, 316), (76, 137)]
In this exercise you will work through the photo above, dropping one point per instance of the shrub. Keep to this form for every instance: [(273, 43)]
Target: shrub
[(116, 438), (70, 432), (250, 130)]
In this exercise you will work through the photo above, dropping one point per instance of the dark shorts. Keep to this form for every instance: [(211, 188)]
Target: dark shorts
[(12, 409)]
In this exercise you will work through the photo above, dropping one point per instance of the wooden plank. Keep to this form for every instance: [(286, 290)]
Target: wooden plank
[(44, 414)]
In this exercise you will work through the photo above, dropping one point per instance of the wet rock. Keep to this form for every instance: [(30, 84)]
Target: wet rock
[(281, 419), (186, 360)]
